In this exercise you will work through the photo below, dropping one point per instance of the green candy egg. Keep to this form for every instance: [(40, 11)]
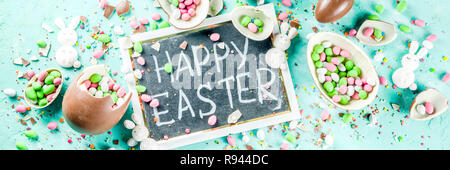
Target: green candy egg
[(347, 118), (175, 3), (260, 29), (405, 29), (258, 22), (319, 48), (168, 68), (373, 17), (342, 74), (104, 38), (342, 81), (36, 85), (31, 94), (332, 93), (318, 64), (49, 79), (362, 94), (401, 6), (328, 51), (328, 86), (41, 43), (329, 59), (30, 133), (352, 73), (245, 21), (55, 74), (358, 70), (315, 57), (95, 78), (344, 100), (48, 89), (379, 8), (153, 26), (140, 88), (163, 24), (290, 138), (349, 65), (137, 47), (377, 33), (21, 145), (114, 97), (40, 94)]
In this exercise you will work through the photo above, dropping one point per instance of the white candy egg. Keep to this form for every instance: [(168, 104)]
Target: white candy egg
[(260, 134), (420, 109), (131, 142), (350, 90), (9, 92), (326, 44), (92, 91), (129, 124), (245, 139), (138, 73), (139, 133)]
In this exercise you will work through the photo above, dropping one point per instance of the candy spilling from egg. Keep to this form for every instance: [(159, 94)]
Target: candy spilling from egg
[(253, 24), (43, 90), (374, 33), (99, 86)]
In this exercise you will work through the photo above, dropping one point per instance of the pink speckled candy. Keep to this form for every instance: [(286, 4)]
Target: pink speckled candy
[(368, 32), (143, 21), (192, 6), (116, 87), (231, 141), (98, 53), (183, 11), (187, 131), (283, 16), (187, 2), (87, 83), (358, 82), (367, 88), (146, 98), (50, 97), (110, 85), (156, 17), (336, 98), (325, 114), (446, 78), (181, 6), (185, 16), (432, 38), (57, 81), (93, 85), (335, 60), (121, 92), (352, 33), (212, 120), (351, 81), (286, 3), (336, 50), (52, 125), (364, 81), (191, 12), (21, 108), (196, 2), (30, 73), (252, 27), (284, 146), (134, 24), (323, 56), (343, 89), (330, 67), (419, 23), (429, 108), (154, 103), (214, 37), (345, 53), (140, 60), (383, 81), (42, 75), (328, 78), (103, 3), (355, 96)]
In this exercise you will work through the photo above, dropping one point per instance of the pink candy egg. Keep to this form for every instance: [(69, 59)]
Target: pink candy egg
[(146, 98), (116, 87), (343, 89), (325, 114), (283, 16), (432, 38), (50, 97), (87, 83), (121, 92), (181, 6), (185, 16), (98, 53), (286, 3), (103, 3), (323, 56), (180, 0), (345, 53), (252, 27), (196, 2), (110, 85), (358, 82), (30, 73), (94, 85), (336, 50), (214, 37), (143, 21), (156, 17), (328, 78), (191, 12), (231, 141), (21, 108), (368, 32), (351, 80), (446, 78), (42, 75), (154, 103), (352, 33), (429, 109), (187, 2), (355, 96), (57, 81), (212, 120), (383, 81), (336, 98), (52, 125), (134, 24), (284, 146), (192, 6), (140, 60), (330, 67), (367, 88), (335, 60), (419, 23)]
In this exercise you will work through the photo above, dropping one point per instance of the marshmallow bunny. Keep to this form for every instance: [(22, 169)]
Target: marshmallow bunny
[(66, 55), (404, 77), (281, 42)]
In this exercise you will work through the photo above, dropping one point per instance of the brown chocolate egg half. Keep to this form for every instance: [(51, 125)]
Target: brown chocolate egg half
[(332, 10), (86, 113)]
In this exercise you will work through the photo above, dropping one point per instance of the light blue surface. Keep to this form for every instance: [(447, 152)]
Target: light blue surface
[(20, 28)]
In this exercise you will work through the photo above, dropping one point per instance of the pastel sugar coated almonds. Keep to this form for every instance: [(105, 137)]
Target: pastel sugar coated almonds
[(253, 24), (184, 9), (340, 77), (42, 90), (99, 86)]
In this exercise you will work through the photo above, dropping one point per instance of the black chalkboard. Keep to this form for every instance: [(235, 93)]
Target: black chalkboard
[(170, 91)]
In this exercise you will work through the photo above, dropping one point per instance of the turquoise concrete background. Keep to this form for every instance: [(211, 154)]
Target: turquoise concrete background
[(20, 28)]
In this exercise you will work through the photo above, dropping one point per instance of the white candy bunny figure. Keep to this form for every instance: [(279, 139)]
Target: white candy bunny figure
[(275, 56), (404, 77), (66, 55)]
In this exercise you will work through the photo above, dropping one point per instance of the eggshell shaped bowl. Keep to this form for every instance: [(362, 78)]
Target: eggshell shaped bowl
[(358, 57), (389, 30), (33, 79), (439, 101), (200, 14), (86, 113), (252, 12)]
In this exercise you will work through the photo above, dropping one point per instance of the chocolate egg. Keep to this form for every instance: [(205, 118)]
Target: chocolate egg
[(86, 113), (332, 10)]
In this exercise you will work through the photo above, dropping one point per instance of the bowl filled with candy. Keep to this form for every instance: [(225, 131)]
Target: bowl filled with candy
[(43, 88), (252, 22), (428, 104), (185, 14), (342, 72), (376, 33)]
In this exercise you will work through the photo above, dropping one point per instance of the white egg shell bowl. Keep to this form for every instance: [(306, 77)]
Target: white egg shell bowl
[(390, 33), (217, 5), (33, 79), (200, 14), (358, 57), (252, 12), (439, 101)]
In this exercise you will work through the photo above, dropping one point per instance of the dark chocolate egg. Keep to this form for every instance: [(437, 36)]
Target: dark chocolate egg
[(332, 10)]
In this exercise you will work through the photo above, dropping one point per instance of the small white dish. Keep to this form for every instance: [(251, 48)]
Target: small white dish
[(358, 57), (389, 30), (200, 14), (33, 79), (252, 12), (217, 5), (439, 101)]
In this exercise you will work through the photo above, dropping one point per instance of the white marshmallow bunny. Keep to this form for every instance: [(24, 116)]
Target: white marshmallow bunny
[(282, 41), (404, 77), (66, 55)]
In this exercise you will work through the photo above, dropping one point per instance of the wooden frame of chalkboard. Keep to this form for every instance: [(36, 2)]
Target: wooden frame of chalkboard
[(139, 114)]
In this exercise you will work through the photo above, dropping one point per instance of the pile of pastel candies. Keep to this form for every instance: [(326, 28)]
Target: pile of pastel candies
[(42, 90), (374, 33), (339, 76), (184, 8), (253, 24), (99, 86), (425, 108)]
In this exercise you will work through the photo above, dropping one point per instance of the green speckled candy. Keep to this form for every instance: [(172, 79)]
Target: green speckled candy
[(36, 85), (95, 78), (290, 138), (30, 93), (315, 57), (153, 26), (114, 96), (349, 65), (43, 102), (164, 24), (401, 6), (258, 22), (379, 8), (106, 94), (377, 33), (328, 51), (104, 38), (55, 74), (245, 21), (49, 79), (260, 29), (344, 100), (352, 73), (347, 118), (40, 94), (21, 145), (319, 48), (30, 133), (329, 59), (168, 67), (342, 74), (41, 43), (405, 28), (140, 88), (373, 17), (342, 81), (357, 69), (175, 3), (362, 94), (328, 86), (48, 89), (334, 92), (318, 64), (137, 47)]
